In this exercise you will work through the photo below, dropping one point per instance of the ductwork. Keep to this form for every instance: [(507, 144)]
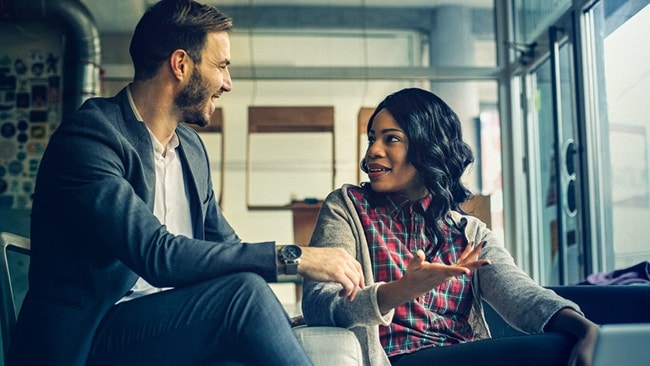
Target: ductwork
[(81, 72)]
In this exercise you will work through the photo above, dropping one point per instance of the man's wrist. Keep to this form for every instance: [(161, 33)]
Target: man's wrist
[(288, 257), (279, 261)]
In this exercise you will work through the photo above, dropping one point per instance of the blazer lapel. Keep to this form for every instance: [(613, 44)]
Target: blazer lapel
[(136, 132), (189, 158)]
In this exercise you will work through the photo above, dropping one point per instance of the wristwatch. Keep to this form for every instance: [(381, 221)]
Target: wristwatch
[(290, 255)]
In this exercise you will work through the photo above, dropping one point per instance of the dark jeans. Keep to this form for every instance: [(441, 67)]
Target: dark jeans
[(231, 320), (530, 350)]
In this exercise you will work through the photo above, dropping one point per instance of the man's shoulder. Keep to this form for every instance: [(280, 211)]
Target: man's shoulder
[(101, 119), (96, 110)]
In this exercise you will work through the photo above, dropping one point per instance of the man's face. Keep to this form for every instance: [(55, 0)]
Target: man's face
[(209, 79)]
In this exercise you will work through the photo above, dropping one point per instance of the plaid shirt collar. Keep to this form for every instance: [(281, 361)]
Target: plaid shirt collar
[(396, 203)]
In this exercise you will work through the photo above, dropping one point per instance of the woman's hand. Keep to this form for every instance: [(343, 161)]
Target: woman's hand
[(586, 332), (583, 351), (422, 276)]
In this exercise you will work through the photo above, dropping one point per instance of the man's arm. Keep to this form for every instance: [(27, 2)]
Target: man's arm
[(329, 265)]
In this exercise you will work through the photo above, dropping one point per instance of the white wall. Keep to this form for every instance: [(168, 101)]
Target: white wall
[(307, 49)]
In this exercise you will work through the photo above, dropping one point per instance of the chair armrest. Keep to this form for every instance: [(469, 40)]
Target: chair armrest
[(602, 304), (330, 346), (607, 304)]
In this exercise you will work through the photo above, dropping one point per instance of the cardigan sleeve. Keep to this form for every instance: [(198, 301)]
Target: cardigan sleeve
[(513, 294), (321, 303)]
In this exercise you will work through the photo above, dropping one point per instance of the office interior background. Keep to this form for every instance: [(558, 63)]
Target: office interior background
[(551, 94)]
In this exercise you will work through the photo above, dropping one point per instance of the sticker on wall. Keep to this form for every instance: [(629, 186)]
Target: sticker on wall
[(30, 105), (22, 100)]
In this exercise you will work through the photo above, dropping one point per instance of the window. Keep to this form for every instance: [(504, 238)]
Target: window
[(617, 37)]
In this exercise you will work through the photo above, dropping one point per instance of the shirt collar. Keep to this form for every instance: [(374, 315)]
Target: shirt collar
[(157, 146), (129, 96), (398, 202)]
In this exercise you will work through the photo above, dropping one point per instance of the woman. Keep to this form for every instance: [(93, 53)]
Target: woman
[(427, 266)]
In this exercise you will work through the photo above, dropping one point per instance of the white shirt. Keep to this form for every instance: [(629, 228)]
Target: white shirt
[(171, 203)]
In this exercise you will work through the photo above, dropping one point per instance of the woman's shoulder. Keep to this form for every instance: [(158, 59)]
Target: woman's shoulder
[(354, 192), (345, 190), (473, 224), (344, 195)]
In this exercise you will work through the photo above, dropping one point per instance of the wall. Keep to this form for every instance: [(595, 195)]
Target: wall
[(347, 97)]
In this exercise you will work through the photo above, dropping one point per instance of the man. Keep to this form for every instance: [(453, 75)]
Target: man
[(132, 260)]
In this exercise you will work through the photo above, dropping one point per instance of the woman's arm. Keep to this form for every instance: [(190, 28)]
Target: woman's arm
[(586, 332), (322, 302)]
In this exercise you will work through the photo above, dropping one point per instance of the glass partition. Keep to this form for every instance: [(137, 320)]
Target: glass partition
[(533, 17), (618, 42)]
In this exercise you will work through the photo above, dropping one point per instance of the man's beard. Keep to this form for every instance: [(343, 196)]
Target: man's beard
[(191, 100)]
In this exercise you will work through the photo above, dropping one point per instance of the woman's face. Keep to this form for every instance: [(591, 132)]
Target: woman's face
[(388, 168)]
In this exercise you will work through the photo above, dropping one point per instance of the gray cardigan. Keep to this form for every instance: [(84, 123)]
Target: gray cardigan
[(511, 292)]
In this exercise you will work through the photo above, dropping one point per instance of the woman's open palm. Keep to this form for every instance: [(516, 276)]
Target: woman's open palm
[(422, 276)]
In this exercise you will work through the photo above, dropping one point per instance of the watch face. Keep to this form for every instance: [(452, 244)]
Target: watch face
[(291, 252)]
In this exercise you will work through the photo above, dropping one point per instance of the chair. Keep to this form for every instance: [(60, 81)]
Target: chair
[(330, 346), (19, 244)]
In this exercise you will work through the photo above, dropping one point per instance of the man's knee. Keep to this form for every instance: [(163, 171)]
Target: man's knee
[(248, 280), (251, 284), (251, 298), (239, 287)]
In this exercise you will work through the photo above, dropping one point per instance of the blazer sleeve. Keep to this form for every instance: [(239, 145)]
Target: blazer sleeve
[(97, 181), (321, 303)]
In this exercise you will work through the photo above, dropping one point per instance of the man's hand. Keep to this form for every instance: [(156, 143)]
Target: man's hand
[(332, 265)]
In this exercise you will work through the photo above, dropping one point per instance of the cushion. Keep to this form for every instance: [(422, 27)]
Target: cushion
[(330, 346)]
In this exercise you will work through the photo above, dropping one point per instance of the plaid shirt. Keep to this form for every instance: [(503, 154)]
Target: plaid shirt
[(394, 231)]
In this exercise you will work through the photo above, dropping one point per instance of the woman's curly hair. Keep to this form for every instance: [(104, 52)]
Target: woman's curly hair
[(436, 147)]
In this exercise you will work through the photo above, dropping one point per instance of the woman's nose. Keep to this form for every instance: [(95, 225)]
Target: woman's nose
[(374, 150)]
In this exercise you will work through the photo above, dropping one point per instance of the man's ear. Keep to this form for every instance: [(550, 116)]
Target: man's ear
[(180, 63)]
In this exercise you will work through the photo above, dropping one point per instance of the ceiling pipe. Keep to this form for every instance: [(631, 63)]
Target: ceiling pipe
[(82, 55)]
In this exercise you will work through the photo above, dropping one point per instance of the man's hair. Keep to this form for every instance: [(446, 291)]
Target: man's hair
[(170, 25)]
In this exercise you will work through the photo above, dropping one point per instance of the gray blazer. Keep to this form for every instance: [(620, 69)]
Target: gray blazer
[(510, 291), (93, 231)]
